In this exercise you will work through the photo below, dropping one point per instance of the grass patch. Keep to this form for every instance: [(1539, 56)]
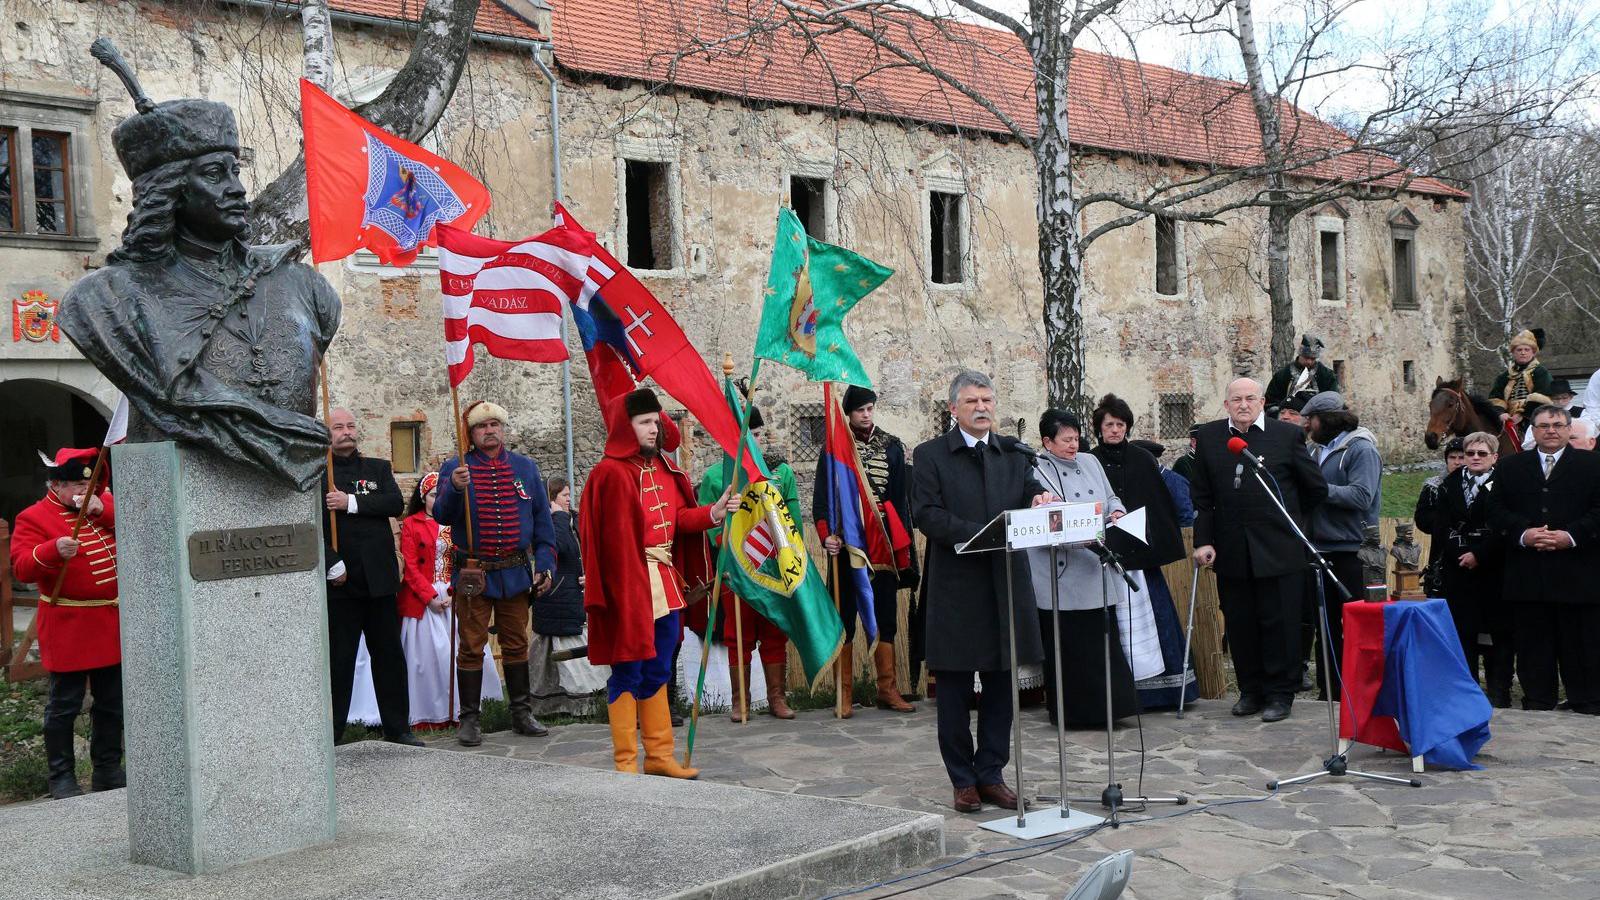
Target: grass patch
[(22, 763), (1400, 492)]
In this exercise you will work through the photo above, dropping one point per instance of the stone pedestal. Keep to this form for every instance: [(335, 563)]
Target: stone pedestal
[(229, 720)]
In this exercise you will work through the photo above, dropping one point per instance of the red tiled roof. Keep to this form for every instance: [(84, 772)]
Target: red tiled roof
[(492, 17), (1114, 104)]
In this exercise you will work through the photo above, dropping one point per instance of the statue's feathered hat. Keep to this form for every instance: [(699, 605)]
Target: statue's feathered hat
[(160, 133)]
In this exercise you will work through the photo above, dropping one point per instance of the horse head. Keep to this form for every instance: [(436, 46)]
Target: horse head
[(1449, 412)]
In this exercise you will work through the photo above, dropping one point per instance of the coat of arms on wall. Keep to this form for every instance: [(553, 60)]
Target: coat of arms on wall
[(34, 317)]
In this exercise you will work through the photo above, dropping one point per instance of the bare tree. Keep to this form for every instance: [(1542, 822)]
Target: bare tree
[(409, 106), (1448, 99), (967, 62)]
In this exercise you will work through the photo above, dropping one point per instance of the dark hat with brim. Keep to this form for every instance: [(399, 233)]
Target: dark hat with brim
[(70, 464), (1559, 386)]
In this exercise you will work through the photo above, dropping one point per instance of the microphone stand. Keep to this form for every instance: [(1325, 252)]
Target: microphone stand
[(1335, 766), (1112, 798)]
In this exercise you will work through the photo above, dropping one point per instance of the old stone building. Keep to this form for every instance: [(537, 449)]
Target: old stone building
[(681, 168)]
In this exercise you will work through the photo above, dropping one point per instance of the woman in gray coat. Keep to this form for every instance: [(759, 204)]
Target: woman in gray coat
[(1081, 583)]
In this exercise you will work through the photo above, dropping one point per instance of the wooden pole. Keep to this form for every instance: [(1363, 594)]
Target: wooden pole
[(722, 557), (849, 646), (77, 525), (327, 418), (461, 460)]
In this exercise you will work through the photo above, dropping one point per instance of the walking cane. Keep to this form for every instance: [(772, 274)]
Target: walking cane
[(1188, 638)]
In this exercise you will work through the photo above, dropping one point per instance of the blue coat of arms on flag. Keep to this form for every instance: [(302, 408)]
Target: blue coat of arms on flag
[(405, 198)]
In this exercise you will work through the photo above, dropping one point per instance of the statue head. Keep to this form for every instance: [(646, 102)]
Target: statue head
[(183, 157)]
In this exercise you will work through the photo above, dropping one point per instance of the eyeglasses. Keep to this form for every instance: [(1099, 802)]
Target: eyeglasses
[(1480, 453), (1550, 426)]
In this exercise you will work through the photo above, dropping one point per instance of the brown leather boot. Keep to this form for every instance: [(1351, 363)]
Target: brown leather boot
[(777, 701), (470, 685), (847, 680), (888, 693)]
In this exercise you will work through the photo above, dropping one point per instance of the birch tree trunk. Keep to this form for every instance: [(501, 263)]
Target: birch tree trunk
[(1060, 250), (409, 107), (1280, 301)]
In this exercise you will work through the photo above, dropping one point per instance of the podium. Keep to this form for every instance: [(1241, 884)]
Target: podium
[(1054, 526)]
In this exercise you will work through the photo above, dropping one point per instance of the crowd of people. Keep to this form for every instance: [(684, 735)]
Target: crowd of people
[(598, 600)]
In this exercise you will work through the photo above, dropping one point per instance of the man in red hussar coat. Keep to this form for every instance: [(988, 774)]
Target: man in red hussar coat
[(642, 537), (80, 642)]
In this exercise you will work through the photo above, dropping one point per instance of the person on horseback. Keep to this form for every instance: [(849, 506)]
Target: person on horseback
[(1304, 373), (1523, 376)]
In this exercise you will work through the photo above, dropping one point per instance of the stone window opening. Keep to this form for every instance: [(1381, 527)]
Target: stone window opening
[(808, 429), (808, 197), (647, 194), (1408, 372), (1402, 245), (1338, 374), (1166, 255), (1330, 257), (43, 179), (405, 447), (1175, 415), (946, 218)]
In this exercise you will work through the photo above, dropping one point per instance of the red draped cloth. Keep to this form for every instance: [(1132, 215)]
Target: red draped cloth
[(1362, 670)]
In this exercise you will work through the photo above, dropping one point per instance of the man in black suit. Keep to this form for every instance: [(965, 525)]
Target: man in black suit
[(1259, 561), (960, 480), (363, 575), (1546, 506)]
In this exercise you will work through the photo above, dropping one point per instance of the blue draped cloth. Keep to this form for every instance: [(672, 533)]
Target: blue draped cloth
[(1442, 713)]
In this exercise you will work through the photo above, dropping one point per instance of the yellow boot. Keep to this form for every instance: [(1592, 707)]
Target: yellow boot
[(655, 726), (624, 715)]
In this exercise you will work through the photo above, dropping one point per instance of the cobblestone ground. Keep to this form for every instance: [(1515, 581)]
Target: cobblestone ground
[(1526, 826)]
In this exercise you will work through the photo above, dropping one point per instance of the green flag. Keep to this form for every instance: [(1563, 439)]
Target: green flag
[(767, 563), (810, 287)]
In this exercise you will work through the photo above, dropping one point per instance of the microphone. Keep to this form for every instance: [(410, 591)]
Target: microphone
[(1011, 443), (1238, 447), (1238, 472)]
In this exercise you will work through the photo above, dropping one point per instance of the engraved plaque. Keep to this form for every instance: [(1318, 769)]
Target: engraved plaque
[(242, 552)]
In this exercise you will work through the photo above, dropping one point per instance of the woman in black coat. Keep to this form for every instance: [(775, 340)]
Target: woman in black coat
[(558, 620), (1135, 477)]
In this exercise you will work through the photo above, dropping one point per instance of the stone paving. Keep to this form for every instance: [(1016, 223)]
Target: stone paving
[(1526, 826)]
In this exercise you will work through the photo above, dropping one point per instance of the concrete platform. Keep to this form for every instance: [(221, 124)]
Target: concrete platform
[(422, 824)]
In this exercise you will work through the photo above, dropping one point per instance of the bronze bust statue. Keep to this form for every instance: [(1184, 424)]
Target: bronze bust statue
[(215, 343)]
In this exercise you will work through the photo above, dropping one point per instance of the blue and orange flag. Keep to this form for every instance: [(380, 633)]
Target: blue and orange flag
[(367, 188)]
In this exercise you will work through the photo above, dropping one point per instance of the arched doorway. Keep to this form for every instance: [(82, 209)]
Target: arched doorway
[(39, 416)]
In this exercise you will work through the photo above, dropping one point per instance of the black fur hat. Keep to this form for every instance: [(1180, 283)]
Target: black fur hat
[(641, 401), (856, 397)]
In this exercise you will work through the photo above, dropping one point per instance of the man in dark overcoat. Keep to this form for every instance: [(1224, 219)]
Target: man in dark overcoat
[(363, 577), (1260, 563), (961, 480), (1546, 506)]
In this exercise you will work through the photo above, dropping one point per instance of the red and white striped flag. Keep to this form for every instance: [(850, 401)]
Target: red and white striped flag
[(508, 295), (758, 544)]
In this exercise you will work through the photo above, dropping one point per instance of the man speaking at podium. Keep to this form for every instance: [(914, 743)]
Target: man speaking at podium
[(1260, 563), (961, 480)]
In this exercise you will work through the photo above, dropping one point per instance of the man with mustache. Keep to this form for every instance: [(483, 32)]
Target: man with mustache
[(79, 634), (362, 582), (215, 342), (960, 481), (511, 545)]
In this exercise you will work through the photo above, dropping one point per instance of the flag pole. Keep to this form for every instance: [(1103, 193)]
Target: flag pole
[(77, 525), (839, 709), (722, 555), (461, 456), (327, 419)]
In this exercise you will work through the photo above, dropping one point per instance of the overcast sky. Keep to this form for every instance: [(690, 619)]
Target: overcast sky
[(1366, 28)]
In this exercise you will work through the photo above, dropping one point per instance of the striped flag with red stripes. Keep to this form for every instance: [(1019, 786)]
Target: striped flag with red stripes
[(507, 296), (759, 544)]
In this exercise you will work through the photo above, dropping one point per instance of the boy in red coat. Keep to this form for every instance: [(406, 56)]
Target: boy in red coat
[(641, 537), (80, 643)]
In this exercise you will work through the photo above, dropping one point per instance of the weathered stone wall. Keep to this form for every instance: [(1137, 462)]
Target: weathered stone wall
[(731, 165)]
